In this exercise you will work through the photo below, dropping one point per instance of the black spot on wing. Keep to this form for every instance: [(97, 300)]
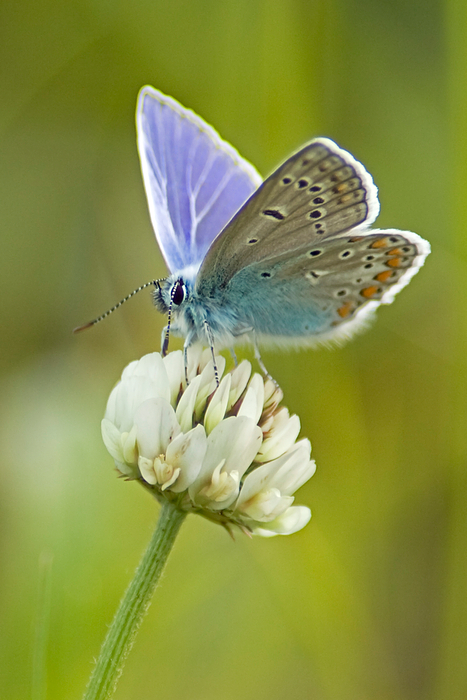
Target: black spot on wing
[(274, 213)]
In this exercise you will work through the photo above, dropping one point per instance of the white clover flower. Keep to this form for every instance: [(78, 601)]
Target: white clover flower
[(227, 452)]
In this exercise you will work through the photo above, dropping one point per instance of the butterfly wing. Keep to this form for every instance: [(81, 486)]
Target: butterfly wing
[(194, 181), (298, 262), (328, 291)]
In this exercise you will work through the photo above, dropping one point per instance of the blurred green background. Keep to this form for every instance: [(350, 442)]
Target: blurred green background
[(369, 601)]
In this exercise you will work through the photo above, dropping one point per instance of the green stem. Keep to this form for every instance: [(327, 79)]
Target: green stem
[(134, 606)]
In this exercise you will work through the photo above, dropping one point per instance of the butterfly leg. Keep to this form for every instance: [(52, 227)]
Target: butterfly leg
[(233, 355), (261, 363), (210, 337), (185, 357), (165, 340)]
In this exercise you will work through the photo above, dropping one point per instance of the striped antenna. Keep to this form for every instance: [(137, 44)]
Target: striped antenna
[(114, 308)]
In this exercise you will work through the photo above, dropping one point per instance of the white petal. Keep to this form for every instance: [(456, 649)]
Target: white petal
[(252, 404), (273, 422), (294, 519), (187, 452), (273, 394), (295, 470), (266, 423), (167, 484), (125, 399), (156, 426), (127, 470), (286, 474), (240, 377), (111, 407), (281, 438), (146, 467), (175, 368), (220, 488), (112, 440), (258, 480), (272, 397), (205, 358), (186, 405), (195, 353), (280, 418), (216, 409), (235, 440), (208, 384), (152, 367), (266, 505), (130, 451), (130, 369), (166, 475)]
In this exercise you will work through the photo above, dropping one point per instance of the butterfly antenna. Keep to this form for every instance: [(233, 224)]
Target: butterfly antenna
[(114, 308)]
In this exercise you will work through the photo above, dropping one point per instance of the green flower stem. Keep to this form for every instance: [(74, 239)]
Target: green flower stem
[(134, 605)]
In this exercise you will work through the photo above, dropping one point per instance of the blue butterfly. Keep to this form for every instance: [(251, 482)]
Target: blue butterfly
[(287, 261)]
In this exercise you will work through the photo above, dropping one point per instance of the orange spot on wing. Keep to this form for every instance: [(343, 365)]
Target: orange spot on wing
[(380, 243), (345, 309), (369, 292), (383, 276), (395, 251), (355, 239), (394, 262)]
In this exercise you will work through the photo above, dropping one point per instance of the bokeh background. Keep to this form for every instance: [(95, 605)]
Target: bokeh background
[(369, 601)]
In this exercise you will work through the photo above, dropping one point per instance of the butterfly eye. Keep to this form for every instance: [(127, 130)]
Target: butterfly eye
[(178, 293)]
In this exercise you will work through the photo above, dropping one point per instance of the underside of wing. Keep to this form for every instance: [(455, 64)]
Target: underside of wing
[(325, 292), (319, 192), (194, 181)]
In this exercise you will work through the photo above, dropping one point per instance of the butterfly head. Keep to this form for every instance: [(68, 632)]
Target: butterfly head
[(171, 293)]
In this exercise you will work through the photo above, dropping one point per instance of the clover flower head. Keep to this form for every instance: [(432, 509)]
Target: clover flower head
[(227, 451)]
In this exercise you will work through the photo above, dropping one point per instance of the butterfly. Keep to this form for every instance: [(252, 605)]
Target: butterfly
[(288, 261)]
